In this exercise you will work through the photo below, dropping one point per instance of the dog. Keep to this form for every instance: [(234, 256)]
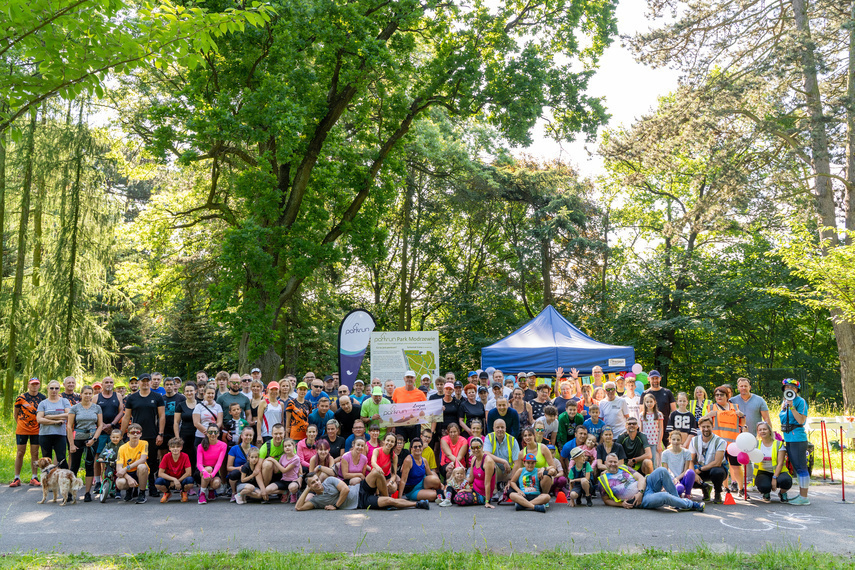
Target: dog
[(60, 482)]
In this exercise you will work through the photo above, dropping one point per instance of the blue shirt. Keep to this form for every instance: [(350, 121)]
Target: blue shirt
[(595, 430), (359, 399), (314, 400), (316, 420), (238, 454), (160, 390), (568, 447), (798, 433)]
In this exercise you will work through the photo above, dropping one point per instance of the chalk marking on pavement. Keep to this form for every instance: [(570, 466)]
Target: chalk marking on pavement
[(781, 521)]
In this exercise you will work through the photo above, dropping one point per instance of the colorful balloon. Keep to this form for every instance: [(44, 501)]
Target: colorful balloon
[(733, 449), (755, 455), (636, 368), (742, 458), (642, 377), (746, 442)]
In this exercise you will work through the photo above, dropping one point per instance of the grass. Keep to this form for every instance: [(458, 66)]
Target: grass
[(698, 559)]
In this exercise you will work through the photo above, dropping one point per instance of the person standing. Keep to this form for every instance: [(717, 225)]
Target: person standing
[(70, 384), (753, 406), (614, 410), (171, 399), (52, 414), (27, 431), (297, 410), (84, 426), (408, 394), (147, 409), (235, 396), (665, 401), (793, 416), (183, 421)]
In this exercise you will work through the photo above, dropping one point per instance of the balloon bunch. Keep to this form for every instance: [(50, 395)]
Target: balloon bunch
[(641, 380), (745, 449)]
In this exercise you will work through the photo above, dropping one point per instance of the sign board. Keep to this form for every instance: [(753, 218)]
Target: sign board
[(411, 413), (617, 362), (395, 352)]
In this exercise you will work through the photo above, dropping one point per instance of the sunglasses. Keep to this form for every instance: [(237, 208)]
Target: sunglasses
[(539, 429), (342, 391), (213, 432), (134, 432), (53, 388), (474, 447), (610, 389)]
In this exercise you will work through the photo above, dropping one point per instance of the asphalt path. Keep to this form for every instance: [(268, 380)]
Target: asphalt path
[(118, 527)]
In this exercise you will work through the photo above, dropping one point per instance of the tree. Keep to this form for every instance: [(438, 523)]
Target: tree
[(296, 122)]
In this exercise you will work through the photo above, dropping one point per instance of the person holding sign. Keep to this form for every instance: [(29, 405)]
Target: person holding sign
[(407, 394)]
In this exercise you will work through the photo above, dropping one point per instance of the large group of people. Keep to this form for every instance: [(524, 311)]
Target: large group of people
[(502, 440)]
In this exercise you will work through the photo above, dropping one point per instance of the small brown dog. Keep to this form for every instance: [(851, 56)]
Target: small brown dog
[(61, 482)]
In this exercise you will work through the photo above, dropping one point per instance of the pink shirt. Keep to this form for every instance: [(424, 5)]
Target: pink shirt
[(212, 457), (293, 474), (352, 467), (455, 449), (305, 453)]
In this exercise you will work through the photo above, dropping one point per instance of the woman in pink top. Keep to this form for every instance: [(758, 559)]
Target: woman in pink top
[(306, 448), (482, 478), (454, 449), (323, 459), (209, 458), (354, 462)]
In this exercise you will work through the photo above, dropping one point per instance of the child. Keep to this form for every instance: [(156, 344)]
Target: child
[(131, 468), (427, 452), (110, 454), (457, 483), (678, 461), (233, 425), (683, 420), (550, 425), (525, 485), (652, 424), (590, 449), (633, 402), (250, 474), (175, 472), (594, 424), (580, 477), (291, 470)]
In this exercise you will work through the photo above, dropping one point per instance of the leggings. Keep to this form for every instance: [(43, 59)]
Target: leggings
[(85, 453), (686, 482), (54, 445), (717, 475), (763, 480), (152, 462), (797, 452)]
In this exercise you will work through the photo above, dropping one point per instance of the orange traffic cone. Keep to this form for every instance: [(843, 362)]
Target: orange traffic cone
[(395, 496), (560, 498), (728, 499)]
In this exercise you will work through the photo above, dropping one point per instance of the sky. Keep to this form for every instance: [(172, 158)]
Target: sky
[(630, 90)]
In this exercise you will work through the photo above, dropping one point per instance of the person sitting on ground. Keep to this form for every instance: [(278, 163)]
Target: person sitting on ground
[(292, 472), (527, 489), (175, 472), (771, 474), (331, 493), (678, 462), (456, 483), (708, 451), (237, 456), (454, 450), (607, 445), (581, 437), (249, 486), (579, 478), (417, 476), (131, 467), (209, 458), (543, 456), (335, 441), (354, 463), (504, 450), (482, 478), (322, 460), (634, 443), (384, 460), (625, 487)]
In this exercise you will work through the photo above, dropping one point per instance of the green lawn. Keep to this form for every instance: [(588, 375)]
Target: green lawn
[(700, 559)]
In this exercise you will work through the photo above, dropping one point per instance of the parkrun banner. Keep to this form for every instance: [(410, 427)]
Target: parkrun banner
[(353, 336), (413, 413), (395, 352)]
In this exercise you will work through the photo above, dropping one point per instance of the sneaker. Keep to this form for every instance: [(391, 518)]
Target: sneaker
[(191, 492), (293, 498), (129, 495), (717, 500), (35, 482), (141, 499), (154, 493), (238, 498), (233, 499), (540, 508), (519, 507), (445, 503), (165, 497), (202, 499), (423, 504), (699, 507), (733, 487), (183, 496), (87, 498), (783, 496), (212, 495), (799, 501), (706, 489), (16, 482), (285, 498), (588, 501), (767, 497), (743, 494)]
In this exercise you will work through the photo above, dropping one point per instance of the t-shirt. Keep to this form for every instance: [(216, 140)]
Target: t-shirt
[(623, 484), (751, 409), (174, 468), (110, 452), (336, 447), (299, 417), (292, 473), (617, 449), (613, 413), (207, 415), (595, 429), (236, 451), (346, 419), (369, 409), (170, 404), (319, 422), (128, 454), (705, 451), (403, 396), (313, 400), (633, 406), (109, 407), (331, 494), (560, 404), (683, 422), (144, 411), (227, 399), (186, 430), (85, 420), (797, 432), (664, 398), (269, 449), (675, 462), (580, 473), (72, 397), (511, 419), (26, 409), (52, 409), (538, 407), (634, 447), (449, 411), (468, 412), (529, 395)]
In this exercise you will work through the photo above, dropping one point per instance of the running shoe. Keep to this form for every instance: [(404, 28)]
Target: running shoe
[(767, 497), (445, 503), (129, 495), (540, 508), (799, 501), (16, 482), (423, 504), (519, 507), (165, 497), (212, 495), (706, 489), (153, 493), (141, 499), (588, 501), (783, 496), (285, 498), (699, 506), (239, 499), (183, 496), (35, 482), (293, 498), (202, 499), (87, 498)]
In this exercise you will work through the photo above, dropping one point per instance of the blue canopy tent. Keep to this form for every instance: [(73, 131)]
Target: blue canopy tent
[(549, 341)]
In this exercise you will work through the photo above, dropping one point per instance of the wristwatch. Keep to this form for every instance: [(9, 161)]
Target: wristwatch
[(160, 434)]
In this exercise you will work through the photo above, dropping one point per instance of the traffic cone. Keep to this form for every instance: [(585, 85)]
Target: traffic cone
[(395, 496), (728, 499), (560, 498)]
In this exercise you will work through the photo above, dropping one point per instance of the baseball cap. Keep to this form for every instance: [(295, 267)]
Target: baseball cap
[(145, 377), (458, 384), (482, 389), (358, 381), (409, 373), (276, 385), (425, 376), (34, 381), (654, 373), (254, 370), (496, 385), (96, 385), (530, 374), (471, 374), (377, 391), (328, 378), (576, 452), (533, 457), (483, 375), (449, 385), (423, 389), (303, 385)]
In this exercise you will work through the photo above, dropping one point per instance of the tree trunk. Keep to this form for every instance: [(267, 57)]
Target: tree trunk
[(12, 352), (37, 220), (269, 363), (73, 246), (404, 297), (546, 270), (2, 202), (849, 189)]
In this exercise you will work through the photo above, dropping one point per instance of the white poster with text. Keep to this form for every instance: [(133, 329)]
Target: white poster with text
[(395, 352)]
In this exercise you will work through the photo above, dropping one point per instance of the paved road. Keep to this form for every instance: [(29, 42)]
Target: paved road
[(116, 527)]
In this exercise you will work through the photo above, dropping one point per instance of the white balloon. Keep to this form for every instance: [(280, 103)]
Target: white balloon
[(755, 455), (636, 368), (746, 442)]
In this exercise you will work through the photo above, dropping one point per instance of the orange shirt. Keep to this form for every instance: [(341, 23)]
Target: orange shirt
[(26, 408), (403, 396)]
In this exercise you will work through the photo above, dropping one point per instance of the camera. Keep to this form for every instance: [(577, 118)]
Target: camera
[(790, 394)]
